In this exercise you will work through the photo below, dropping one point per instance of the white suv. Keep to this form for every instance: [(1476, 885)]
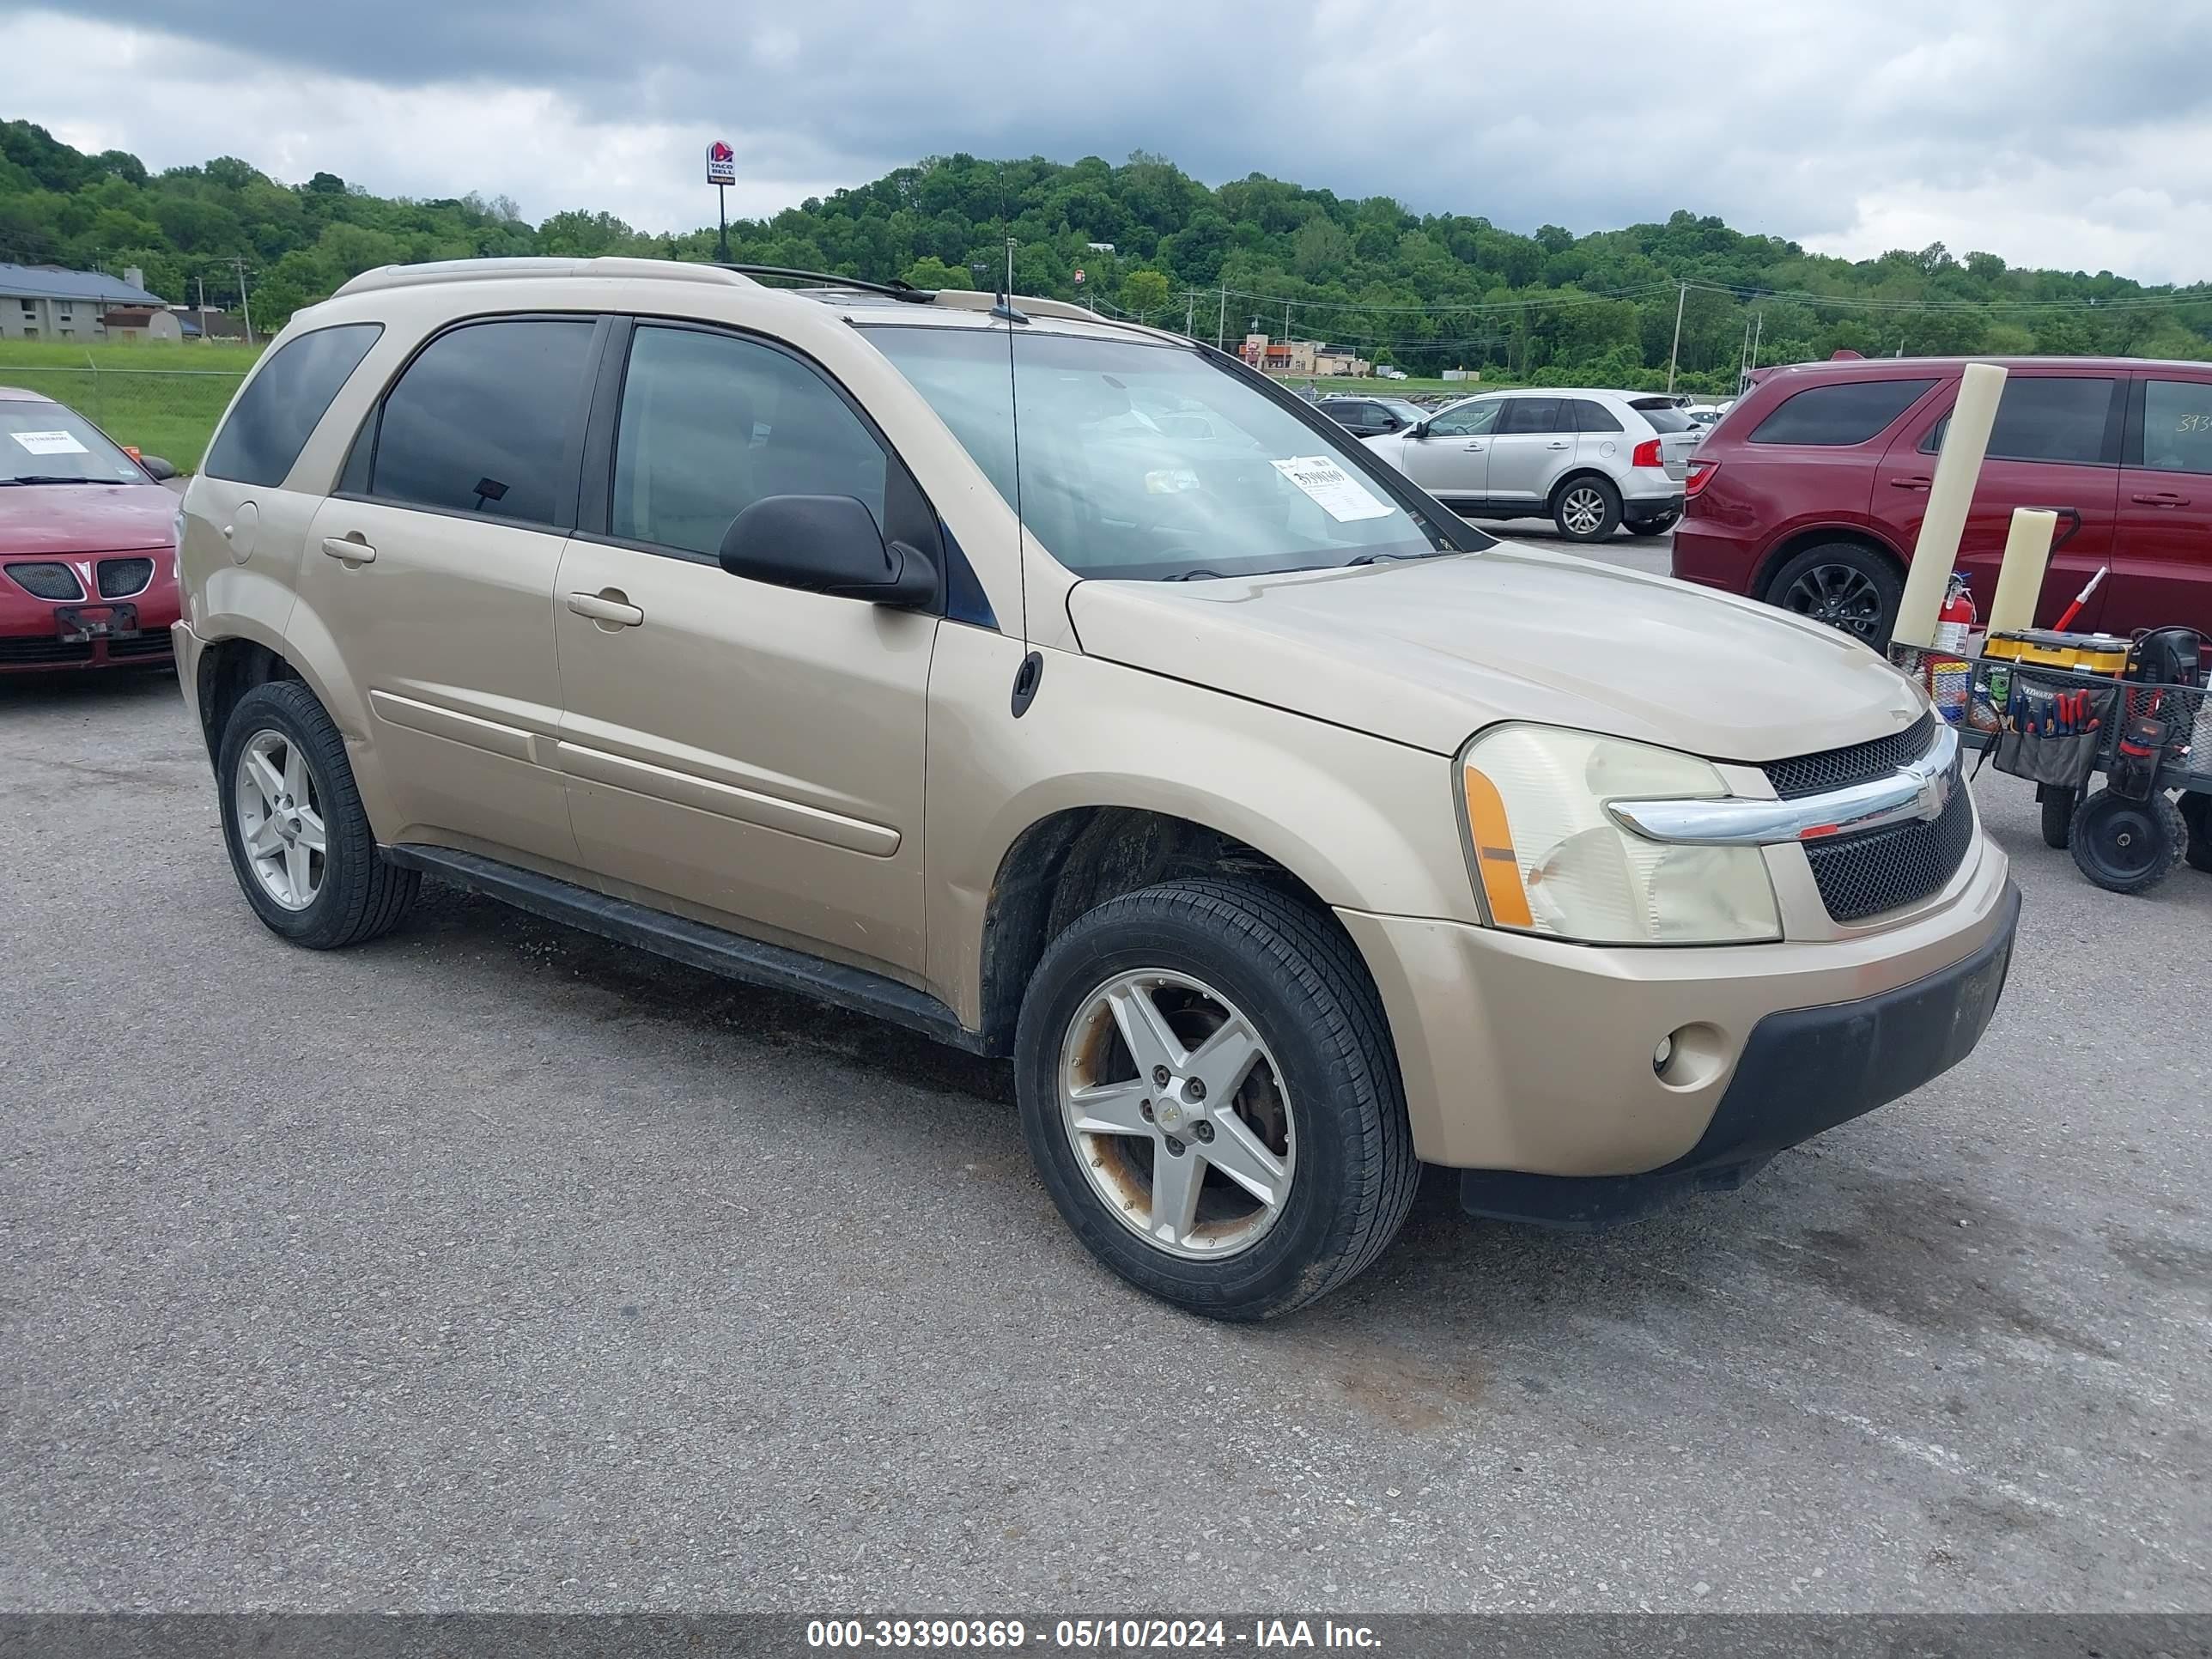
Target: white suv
[(1590, 461)]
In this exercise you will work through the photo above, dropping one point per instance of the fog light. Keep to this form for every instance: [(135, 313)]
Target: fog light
[(1663, 1054)]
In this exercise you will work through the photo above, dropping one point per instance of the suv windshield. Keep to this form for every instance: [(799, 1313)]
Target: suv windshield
[(43, 442), (1149, 461)]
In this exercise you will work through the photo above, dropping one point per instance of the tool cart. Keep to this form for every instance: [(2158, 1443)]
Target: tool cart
[(2062, 710)]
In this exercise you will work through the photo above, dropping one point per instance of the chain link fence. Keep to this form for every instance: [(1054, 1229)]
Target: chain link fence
[(168, 412)]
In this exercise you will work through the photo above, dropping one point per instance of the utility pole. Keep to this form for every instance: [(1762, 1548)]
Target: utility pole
[(1758, 329), (1190, 310), (1221, 323), (1681, 295), (202, 281), (245, 304)]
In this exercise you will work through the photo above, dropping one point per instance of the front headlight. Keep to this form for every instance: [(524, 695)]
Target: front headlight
[(1549, 860)]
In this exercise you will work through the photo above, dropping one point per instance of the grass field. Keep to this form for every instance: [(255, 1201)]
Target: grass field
[(164, 397)]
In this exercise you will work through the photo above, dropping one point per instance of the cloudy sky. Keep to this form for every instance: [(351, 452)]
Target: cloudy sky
[(2075, 133)]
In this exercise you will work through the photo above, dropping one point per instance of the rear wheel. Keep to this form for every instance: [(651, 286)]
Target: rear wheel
[(2128, 846), (1210, 1096), (1586, 509), (1845, 585), (293, 822), (1658, 526)]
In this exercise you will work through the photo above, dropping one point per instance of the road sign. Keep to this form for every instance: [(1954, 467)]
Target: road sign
[(721, 164)]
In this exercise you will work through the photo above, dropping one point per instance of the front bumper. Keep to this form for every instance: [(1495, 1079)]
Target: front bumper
[(1802, 1071), (43, 636), (1525, 1054)]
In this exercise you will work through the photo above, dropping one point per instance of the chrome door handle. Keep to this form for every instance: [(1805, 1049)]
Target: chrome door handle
[(351, 549), (1558, 446), (1474, 449), (610, 606)]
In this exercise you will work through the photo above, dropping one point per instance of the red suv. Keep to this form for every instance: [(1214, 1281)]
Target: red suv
[(1810, 492)]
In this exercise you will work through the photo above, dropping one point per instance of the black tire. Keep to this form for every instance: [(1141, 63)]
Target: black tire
[(361, 895), (2196, 813), (1569, 500), (1656, 527), (1846, 585), (2058, 803), (1303, 987), (2128, 846)]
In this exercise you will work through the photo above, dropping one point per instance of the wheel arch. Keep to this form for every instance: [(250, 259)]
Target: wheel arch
[(228, 670), (1798, 541), (1575, 473)]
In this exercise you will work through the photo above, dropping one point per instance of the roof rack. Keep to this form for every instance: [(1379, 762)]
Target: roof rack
[(483, 271), (894, 289)]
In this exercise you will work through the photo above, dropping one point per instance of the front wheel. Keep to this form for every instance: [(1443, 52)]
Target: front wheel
[(2128, 846), (1209, 1093), (1586, 509)]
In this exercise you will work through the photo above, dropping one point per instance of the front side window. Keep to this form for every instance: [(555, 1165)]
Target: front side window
[(1150, 462), (278, 410), (2177, 426), (482, 420), (41, 442), (2044, 418), (1836, 417), (1535, 415), (1468, 420), (710, 423)]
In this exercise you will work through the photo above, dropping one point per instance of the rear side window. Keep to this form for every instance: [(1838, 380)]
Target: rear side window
[(2047, 418), (279, 410), (710, 423), (1535, 415), (1833, 416), (2177, 426), (1595, 417), (484, 420)]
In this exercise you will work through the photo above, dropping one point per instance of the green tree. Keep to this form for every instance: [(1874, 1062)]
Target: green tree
[(1146, 292)]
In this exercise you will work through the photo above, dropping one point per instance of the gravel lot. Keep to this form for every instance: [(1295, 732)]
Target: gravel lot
[(494, 1265)]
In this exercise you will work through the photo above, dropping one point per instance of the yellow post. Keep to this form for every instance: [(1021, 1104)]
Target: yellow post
[(2019, 579), (1957, 470)]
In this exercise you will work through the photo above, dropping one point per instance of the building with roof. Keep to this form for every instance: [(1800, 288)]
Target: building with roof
[(47, 302)]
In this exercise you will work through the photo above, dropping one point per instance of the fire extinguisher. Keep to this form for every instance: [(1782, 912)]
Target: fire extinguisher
[(1957, 618)]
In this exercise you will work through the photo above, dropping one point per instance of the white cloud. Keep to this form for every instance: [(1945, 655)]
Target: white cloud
[(2025, 128)]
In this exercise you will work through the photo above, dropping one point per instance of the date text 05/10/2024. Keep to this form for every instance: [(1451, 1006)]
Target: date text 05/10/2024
[(1088, 1634)]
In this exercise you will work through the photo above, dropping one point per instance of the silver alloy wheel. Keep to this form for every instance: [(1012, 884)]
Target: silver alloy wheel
[(1177, 1113), (1841, 595), (1582, 510), (280, 819)]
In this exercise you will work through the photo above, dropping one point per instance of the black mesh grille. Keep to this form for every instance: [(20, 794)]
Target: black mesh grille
[(154, 644), (34, 653), (1838, 768), (1862, 876), (120, 578), (48, 581)]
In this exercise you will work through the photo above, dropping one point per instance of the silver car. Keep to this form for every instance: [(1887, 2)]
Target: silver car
[(1591, 461)]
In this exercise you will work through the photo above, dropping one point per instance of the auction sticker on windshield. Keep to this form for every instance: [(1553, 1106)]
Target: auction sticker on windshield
[(1336, 491), (51, 443)]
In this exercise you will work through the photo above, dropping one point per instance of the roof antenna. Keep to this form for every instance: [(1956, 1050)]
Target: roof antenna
[(1006, 308)]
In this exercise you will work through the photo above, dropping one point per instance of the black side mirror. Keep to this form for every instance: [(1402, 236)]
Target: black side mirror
[(826, 544), (161, 470), (1420, 430)]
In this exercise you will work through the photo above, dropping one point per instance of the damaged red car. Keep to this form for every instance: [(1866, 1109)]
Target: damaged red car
[(88, 545)]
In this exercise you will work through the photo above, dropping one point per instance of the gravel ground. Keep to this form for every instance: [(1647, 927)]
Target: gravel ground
[(492, 1265)]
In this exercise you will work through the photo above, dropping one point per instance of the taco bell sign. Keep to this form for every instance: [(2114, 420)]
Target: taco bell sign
[(721, 164)]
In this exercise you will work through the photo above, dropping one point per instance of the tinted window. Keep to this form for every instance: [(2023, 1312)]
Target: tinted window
[(2044, 418), (1849, 413), (1662, 417), (1535, 415), (1595, 417), (481, 422), (2177, 426), (271, 424), (711, 424), (1471, 422)]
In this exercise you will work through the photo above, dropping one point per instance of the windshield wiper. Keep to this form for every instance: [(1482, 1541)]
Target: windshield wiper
[(1194, 575), (47, 478)]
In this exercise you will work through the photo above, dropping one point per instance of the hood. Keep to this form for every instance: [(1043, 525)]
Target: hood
[(89, 518), (1425, 652)]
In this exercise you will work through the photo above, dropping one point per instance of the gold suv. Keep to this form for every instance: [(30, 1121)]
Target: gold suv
[(1064, 690)]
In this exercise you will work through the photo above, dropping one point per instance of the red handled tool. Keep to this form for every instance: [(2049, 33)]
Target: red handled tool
[(2066, 616)]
